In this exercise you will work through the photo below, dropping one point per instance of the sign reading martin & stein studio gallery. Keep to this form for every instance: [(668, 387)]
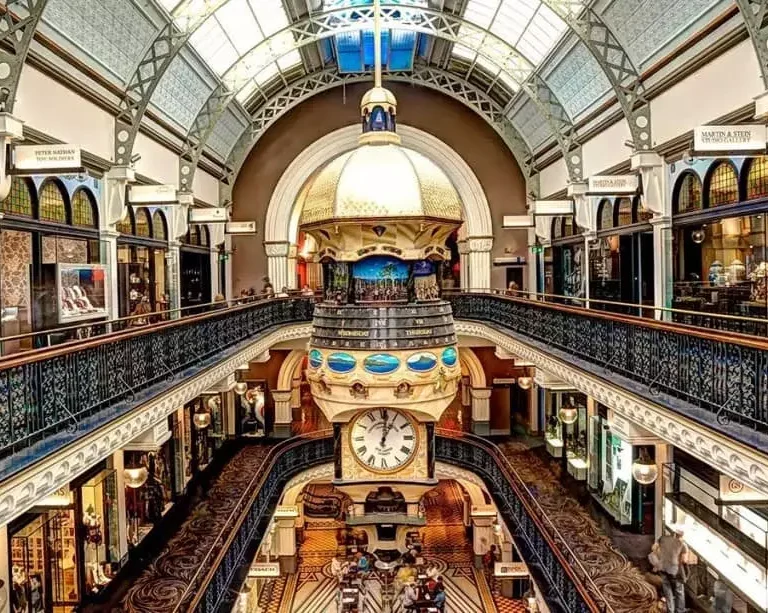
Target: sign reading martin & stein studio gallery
[(613, 184), (747, 137)]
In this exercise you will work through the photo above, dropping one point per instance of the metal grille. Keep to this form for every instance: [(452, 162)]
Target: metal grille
[(688, 195), (143, 225), (158, 226), (606, 215), (757, 179), (125, 226), (52, 206), (723, 185), (19, 200), (83, 209)]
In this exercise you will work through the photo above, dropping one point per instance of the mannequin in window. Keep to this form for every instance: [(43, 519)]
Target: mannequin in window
[(36, 603), (141, 313), (19, 592), (92, 523)]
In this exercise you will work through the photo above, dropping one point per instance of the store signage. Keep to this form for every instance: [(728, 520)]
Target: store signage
[(747, 137), (260, 570), (733, 490), (613, 184), (510, 569), (517, 221), (152, 194), (286, 510), (240, 227), (46, 157), (211, 215), (553, 207)]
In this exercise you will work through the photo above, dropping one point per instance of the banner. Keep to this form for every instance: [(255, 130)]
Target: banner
[(612, 184), (152, 194), (46, 157), (747, 137)]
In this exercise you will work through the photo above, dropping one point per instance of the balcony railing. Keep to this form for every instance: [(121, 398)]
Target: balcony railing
[(724, 373)]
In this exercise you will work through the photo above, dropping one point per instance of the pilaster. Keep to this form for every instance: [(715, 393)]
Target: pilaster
[(277, 264), (481, 410), (282, 400), (296, 397), (291, 272), (109, 242), (482, 517), (463, 265), (284, 545), (480, 262), (173, 275)]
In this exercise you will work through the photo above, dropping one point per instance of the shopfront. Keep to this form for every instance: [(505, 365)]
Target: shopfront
[(141, 263), (720, 236), (51, 263), (195, 266), (614, 445), (568, 258), (621, 260), (725, 526)]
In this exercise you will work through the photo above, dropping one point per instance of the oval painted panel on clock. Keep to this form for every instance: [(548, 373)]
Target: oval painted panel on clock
[(421, 362), (341, 362), (450, 356), (381, 363), (383, 440), (315, 358)]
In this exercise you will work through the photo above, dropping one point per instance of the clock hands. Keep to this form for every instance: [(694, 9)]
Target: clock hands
[(385, 428)]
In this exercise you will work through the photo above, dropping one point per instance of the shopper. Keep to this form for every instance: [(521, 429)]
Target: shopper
[(671, 557), (439, 598), (410, 596), (723, 597)]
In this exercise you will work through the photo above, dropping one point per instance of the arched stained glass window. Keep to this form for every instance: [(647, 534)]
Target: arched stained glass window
[(19, 199), (52, 205), (557, 227), (194, 235), (641, 213), (83, 209), (723, 185), (143, 223), (688, 194), (158, 226), (125, 225), (605, 215), (757, 178), (623, 211)]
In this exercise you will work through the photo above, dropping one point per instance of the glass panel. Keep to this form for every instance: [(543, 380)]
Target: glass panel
[(52, 207), (83, 210), (158, 226), (688, 197), (145, 506), (142, 223), (757, 179), (723, 185), (124, 226), (624, 212), (101, 549), (19, 200), (606, 215)]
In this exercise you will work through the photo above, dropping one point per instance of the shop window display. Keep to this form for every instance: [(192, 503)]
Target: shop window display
[(217, 429), (195, 267), (143, 223), (624, 212), (723, 185), (605, 216), (610, 469), (251, 410), (101, 554), (146, 505)]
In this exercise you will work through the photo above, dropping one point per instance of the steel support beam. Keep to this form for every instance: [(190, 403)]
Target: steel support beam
[(755, 14)]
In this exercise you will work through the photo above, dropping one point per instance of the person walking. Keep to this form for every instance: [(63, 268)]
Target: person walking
[(671, 555)]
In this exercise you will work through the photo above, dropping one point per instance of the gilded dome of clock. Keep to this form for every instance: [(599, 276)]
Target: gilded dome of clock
[(379, 181)]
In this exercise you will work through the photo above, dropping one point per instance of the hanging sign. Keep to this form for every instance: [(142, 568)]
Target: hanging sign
[(517, 221), (152, 194), (46, 157), (612, 184), (510, 569), (208, 215), (747, 137), (553, 207), (240, 227), (264, 569), (733, 490)]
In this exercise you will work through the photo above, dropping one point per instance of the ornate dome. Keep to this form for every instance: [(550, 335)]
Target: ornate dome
[(379, 181)]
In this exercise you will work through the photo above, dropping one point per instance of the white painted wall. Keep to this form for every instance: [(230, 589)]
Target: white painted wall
[(206, 187), (51, 108), (553, 178), (606, 149), (156, 161)]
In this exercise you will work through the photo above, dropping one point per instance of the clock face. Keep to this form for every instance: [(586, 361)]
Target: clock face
[(383, 440)]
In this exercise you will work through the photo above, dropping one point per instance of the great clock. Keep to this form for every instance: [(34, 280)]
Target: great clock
[(383, 440)]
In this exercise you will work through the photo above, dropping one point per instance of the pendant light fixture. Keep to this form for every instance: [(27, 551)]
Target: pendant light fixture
[(644, 469), (568, 413), (524, 383), (135, 474)]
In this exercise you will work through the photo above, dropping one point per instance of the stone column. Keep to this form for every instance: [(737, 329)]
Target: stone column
[(284, 544), (481, 410), (588, 238), (532, 265), (296, 398), (463, 265), (661, 487), (109, 240), (122, 523), (173, 275), (663, 266), (482, 531), (277, 264), (282, 427), (480, 263), (291, 273), (229, 292)]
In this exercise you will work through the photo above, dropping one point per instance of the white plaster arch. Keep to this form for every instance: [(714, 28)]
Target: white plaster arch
[(288, 368), (469, 358)]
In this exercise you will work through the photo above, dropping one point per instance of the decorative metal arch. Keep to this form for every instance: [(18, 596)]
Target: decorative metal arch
[(433, 78), (16, 35), (755, 14)]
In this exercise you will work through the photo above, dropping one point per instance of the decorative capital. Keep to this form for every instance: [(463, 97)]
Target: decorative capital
[(480, 244), (275, 250)]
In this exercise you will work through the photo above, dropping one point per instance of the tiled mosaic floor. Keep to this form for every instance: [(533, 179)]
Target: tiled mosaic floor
[(445, 545)]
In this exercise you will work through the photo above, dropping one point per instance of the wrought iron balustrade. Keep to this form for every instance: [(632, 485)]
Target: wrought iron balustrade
[(51, 390), (724, 373)]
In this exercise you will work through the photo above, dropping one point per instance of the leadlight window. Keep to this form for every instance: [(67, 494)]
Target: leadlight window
[(194, 235), (723, 185), (19, 199), (688, 197), (557, 227), (757, 178), (143, 223), (623, 212), (52, 205), (83, 209), (642, 214), (606, 215), (124, 226), (158, 226)]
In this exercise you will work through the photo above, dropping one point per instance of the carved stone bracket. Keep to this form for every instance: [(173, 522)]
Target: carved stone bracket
[(653, 172), (118, 178)]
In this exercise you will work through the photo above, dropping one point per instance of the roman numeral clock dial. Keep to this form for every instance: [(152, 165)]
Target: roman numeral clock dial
[(383, 440)]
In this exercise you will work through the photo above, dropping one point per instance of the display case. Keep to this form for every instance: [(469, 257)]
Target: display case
[(82, 292), (146, 505), (100, 532)]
